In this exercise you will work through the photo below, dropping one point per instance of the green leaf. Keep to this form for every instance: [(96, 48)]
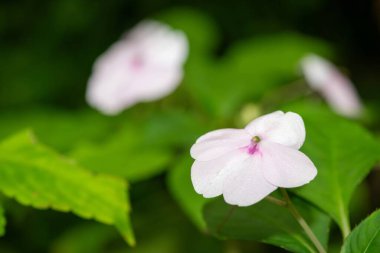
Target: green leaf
[(365, 238), (36, 176), (125, 154), (2, 221), (173, 128), (203, 36), (181, 188), (143, 149), (199, 28), (248, 71), (60, 129), (343, 153), (268, 223), (85, 238)]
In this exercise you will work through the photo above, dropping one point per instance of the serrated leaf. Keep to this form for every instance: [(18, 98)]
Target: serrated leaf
[(36, 176), (268, 223), (343, 152), (59, 129), (365, 238), (181, 188)]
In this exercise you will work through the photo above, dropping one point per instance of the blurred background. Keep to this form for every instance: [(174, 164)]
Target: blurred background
[(47, 49)]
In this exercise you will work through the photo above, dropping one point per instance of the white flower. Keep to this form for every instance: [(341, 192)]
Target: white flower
[(246, 165), (336, 88), (145, 65)]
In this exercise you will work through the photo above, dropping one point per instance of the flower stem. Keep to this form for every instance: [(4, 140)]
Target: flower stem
[(346, 228), (226, 218), (293, 210), (276, 201)]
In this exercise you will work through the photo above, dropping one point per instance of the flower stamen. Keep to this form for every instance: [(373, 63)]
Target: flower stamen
[(256, 139), (253, 148)]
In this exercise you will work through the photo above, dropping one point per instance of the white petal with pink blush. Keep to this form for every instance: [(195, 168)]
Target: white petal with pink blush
[(146, 64), (246, 165), (339, 92)]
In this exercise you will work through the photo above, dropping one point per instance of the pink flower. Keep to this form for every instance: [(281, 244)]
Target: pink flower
[(145, 65), (336, 88), (246, 165)]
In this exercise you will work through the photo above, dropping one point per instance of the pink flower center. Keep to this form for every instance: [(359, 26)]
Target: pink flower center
[(137, 62), (253, 147)]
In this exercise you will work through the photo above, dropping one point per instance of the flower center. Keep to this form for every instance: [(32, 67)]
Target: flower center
[(256, 139), (253, 147)]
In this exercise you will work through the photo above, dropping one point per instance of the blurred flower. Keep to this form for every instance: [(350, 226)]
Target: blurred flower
[(336, 88), (145, 65), (246, 165), (247, 113)]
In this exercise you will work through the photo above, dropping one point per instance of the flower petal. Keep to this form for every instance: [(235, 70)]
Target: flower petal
[(263, 123), (208, 176), (343, 98), (284, 128), (246, 184), (285, 167), (161, 44), (152, 83), (336, 88), (217, 143), (144, 65), (317, 71)]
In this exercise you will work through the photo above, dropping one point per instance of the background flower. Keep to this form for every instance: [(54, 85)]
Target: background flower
[(145, 65), (336, 88)]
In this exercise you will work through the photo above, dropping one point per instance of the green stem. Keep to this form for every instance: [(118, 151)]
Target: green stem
[(276, 201), (293, 210), (345, 227), (226, 218)]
